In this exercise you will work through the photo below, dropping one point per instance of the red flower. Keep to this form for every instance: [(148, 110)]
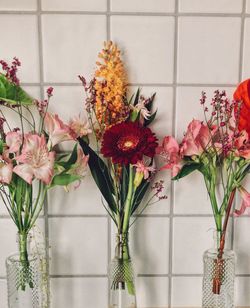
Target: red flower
[(127, 142), (242, 94)]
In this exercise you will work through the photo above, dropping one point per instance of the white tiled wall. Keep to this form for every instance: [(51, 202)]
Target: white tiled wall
[(174, 47)]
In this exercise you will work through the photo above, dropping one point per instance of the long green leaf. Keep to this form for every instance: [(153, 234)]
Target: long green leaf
[(139, 195), (101, 174), (64, 179), (186, 170), (13, 94)]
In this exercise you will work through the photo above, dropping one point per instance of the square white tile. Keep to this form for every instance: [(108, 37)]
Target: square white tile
[(74, 5), (86, 199), (210, 6), (66, 54), (246, 50), (143, 6), (79, 292), (152, 291), (8, 234), (3, 293), (242, 245), (78, 245), (25, 5), (186, 291), (20, 39), (207, 51), (248, 6), (146, 237), (192, 237), (191, 196), (242, 295), (139, 38)]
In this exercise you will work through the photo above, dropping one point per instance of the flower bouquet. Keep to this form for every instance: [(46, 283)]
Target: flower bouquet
[(219, 148), (29, 167), (122, 164)]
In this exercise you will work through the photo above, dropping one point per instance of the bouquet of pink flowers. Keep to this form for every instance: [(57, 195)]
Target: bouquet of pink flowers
[(29, 164), (219, 148)]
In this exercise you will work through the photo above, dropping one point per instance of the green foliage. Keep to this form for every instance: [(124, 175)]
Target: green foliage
[(101, 175), (13, 94), (187, 169), (64, 179)]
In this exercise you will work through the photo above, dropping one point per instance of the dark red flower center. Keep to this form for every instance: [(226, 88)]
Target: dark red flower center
[(128, 143)]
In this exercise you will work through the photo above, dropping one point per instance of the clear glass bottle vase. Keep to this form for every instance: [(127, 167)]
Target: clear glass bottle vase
[(218, 277), (122, 292), (24, 278)]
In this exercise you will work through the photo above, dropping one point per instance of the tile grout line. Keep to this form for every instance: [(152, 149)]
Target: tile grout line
[(77, 84), (171, 213), (41, 68), (113, 13)]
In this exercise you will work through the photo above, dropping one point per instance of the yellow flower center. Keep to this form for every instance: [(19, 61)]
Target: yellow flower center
[(127, 143)]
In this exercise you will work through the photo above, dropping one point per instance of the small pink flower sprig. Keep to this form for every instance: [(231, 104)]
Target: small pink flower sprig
[(28, 152)]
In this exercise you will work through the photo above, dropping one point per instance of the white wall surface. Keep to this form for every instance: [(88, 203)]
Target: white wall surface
[(176, 48)]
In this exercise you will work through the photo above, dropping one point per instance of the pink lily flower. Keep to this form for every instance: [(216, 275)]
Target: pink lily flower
[(13, 141), (245, 195), (79, 126), (197, 139), (80, 165), (57, 130), (170, 151), (6, 170), (143, 169), (242, 145), (35, 160)]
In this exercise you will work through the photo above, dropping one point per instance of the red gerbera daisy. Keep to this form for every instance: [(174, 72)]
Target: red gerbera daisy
[(127, 142)]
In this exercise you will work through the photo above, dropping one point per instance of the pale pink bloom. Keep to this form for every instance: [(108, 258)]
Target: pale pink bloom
[(245, 195), (80, 126), (80, 165), (197, 139), (57, 130), (170, 152), (6, 169), (242, 145), (13, 141), (145, 170), (35, 160)]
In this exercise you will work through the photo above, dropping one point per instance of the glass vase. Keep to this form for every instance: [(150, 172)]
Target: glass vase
[(218, 278), (24, 278), (121, 276)]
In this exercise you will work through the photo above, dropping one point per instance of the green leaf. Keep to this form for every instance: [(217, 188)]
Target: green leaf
[(1, 147), (150, 119), (101, 175), (124, 184), (13, 94), (64, 179), (137, 96), (186, 170), (71, 161), (139, 194)]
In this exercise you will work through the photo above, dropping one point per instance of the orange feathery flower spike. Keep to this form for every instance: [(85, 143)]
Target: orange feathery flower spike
[(110, 86)]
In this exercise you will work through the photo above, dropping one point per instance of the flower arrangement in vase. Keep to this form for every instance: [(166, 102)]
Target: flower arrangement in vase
[(122, 163), (29, 168), (219, 148)]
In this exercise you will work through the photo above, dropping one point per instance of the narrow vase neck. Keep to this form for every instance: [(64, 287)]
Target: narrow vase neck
[(122, 246)]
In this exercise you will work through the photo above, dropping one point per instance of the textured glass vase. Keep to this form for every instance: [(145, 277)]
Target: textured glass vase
[(24, 279), (121, 276), (218, 278)]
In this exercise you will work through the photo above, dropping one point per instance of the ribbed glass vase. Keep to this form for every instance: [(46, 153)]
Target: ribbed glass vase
[(121, 276), (24, 278), (218, 278)]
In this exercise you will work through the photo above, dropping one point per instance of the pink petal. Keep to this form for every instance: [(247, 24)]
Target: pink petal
[(25, 172)]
